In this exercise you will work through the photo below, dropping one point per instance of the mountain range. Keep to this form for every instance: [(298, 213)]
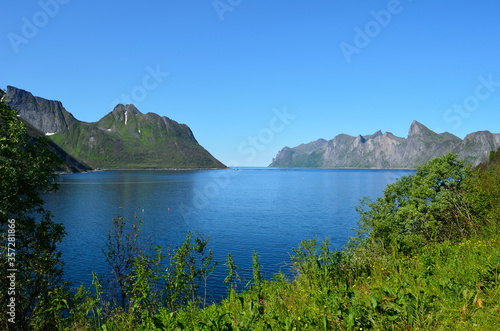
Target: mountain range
[(128, 139), (123, 139), (387, 151)]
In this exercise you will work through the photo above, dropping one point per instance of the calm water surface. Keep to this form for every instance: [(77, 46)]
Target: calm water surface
[(266, 210)]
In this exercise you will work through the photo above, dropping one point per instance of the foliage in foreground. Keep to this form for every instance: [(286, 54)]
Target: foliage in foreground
[(427, 256), (31, 267), (446, 286)]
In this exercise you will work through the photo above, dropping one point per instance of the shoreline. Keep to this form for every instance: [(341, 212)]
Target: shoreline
[(227, 168), (342, 168), (138, 169)]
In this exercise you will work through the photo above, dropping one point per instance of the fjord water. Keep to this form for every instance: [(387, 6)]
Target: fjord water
[(241, 210)]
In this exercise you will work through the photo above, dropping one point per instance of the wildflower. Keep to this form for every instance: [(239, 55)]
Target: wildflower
[(299, 318)]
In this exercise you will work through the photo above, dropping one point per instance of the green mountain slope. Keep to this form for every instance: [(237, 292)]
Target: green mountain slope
[(69, 163), (123, 139)]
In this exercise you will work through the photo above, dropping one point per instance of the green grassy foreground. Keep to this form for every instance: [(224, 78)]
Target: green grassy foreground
[(448, 286)]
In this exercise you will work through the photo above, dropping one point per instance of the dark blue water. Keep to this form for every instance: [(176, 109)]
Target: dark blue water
[(266, 210)]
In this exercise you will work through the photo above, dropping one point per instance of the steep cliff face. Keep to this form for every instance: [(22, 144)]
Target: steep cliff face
[(68, 164), (481, 142), (386, 150), (123, 139), (47, 116)]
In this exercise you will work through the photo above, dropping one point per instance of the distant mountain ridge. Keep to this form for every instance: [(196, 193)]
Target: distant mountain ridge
[(123, 139), (385, 150)]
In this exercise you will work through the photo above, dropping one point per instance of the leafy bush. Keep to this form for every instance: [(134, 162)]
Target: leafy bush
[(483, 194), (29, 236), (415, 210)]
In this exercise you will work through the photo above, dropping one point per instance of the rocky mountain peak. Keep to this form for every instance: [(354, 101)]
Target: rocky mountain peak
[(388, 150), (361, 139), (124, 113), (416, 128), (477, 135), (375, 135), (131, 109), (48, 116)]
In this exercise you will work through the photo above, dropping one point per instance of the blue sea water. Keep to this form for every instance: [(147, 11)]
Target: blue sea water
[(242, 210)]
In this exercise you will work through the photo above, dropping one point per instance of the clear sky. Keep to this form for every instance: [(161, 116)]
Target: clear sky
[(250, 77)]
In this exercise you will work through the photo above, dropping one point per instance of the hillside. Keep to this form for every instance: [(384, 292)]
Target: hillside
[(385, 150), (123, 139), (68, 163)]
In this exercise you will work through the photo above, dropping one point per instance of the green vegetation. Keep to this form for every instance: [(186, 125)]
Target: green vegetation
[(426, 257), (147, 141), (69, 164), (31, 268)]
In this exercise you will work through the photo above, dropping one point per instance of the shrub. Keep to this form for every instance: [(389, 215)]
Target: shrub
[(415, 210)]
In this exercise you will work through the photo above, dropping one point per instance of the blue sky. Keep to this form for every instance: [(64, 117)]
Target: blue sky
[(250, 77)]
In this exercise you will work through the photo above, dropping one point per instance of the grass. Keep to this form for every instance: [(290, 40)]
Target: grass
[(447, 285), (450, 285)]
